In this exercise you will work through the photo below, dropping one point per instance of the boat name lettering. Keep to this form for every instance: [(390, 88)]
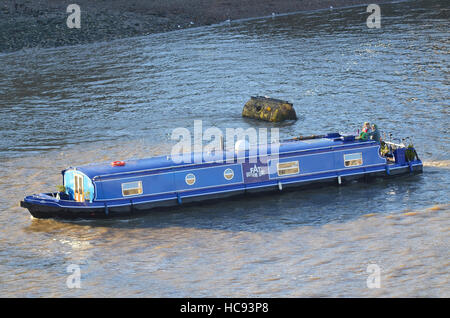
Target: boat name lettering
[(255, 172)]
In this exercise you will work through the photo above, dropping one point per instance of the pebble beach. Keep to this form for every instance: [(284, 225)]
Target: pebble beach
[(42, 23)]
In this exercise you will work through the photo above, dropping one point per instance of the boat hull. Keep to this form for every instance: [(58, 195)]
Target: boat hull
[(51, 208)]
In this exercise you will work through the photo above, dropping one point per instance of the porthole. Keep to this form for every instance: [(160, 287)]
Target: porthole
[(190, 179), (228, 174)]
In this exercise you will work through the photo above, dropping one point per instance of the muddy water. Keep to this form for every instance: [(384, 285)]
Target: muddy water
[(117, 100)]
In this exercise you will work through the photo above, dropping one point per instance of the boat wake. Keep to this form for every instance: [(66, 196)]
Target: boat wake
[(437, 163)]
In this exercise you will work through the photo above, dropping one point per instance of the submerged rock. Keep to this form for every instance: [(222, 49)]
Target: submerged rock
[(269, 109)]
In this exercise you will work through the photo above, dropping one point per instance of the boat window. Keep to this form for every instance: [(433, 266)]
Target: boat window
[(287, 168), (353, 159), (132, 188)]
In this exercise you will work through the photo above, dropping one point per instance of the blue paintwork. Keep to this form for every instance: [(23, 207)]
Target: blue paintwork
[(159, 182), (163, 179), (160, 175), (165, 162)]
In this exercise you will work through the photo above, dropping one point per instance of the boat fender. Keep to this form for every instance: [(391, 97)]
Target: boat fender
[(106, 209), (410, 166), (339, 180), (280, 186), (179, 198), (118, 163), (388, 172)]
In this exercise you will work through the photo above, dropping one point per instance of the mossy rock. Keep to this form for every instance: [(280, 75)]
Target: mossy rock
[(269, 109)]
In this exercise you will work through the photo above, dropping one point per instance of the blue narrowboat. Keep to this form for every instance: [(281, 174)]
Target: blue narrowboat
[(133, 187)]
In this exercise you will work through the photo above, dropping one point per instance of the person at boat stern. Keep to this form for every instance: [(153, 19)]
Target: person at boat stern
[(365, 133), (375, 133)]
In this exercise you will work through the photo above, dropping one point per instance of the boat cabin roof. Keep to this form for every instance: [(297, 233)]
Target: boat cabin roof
[(164, 162)]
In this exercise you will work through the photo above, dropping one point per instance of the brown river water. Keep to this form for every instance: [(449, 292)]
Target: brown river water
[(117, 100)]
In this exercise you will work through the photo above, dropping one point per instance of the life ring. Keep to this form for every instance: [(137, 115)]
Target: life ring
[(117, 163)]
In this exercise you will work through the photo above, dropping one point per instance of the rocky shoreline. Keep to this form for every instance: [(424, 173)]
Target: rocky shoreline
[(42, 23)]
